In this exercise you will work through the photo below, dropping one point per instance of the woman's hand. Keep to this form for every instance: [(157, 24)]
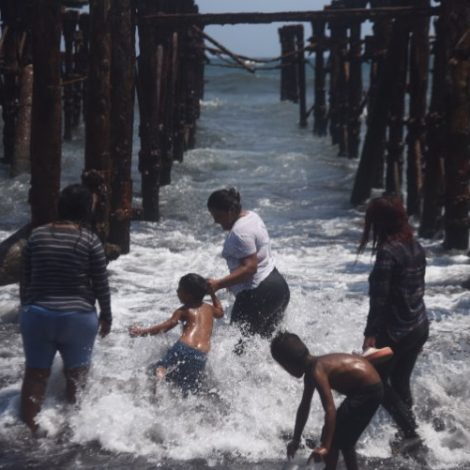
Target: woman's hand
[(369, 342), (105, 328), (214, 285), (292, 448), (318, 455)]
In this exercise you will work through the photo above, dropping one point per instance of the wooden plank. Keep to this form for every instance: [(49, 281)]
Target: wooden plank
[(166, 20)]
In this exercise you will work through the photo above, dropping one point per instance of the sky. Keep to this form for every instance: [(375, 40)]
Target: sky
[(257, 40)]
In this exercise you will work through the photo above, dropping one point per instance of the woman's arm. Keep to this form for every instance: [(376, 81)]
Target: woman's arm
[(380, 281), (99, 277), (25, 273), (247, 269)]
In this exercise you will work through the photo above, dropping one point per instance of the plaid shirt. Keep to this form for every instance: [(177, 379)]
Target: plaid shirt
[(396, 290)]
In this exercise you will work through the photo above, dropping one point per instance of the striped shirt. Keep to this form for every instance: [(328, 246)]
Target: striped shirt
[(396, 290), (65, 270)]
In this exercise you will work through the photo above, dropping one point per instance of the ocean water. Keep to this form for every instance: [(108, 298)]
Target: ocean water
[(301, 188)]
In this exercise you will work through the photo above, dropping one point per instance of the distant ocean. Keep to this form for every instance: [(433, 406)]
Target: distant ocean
[(249, 139)]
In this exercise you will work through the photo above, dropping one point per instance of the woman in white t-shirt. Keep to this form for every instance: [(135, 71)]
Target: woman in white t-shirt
[(261, 292)]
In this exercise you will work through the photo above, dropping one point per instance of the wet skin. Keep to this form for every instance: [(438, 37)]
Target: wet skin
[(341, 372), (197, 319)]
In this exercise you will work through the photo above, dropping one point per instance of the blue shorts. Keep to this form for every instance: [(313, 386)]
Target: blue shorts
[(184, 366), (45, 332)]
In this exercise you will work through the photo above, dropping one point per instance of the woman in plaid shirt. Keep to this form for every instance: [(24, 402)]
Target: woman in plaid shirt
[(397, 314)]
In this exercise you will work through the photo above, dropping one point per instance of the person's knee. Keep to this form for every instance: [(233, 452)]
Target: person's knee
[(36, 376)]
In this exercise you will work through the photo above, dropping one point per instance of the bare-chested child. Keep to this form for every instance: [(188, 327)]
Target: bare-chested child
[(348, 374), (186, 359)]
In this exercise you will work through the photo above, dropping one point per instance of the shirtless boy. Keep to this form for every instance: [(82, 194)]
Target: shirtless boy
[(186, 359), (348, 374)]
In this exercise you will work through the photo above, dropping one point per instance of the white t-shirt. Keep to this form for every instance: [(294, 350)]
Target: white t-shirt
[(247, 236)]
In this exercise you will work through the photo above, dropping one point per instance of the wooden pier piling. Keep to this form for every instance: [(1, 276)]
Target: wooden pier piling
[(320, 117), (46, 114), (97, 174), (122, 121)]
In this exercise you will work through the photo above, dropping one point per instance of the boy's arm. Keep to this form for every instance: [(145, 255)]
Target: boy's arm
[(218, 311), (326, 397), (160, 328), (302, 416)]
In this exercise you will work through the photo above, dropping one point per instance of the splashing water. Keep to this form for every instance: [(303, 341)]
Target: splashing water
[(299, 186)]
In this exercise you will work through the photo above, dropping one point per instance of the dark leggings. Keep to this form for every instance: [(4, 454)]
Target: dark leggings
[(260, 310), (396, 374)]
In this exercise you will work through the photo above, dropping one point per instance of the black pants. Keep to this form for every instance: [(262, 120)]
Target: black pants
[(355, 413), (260, 310), (396, 374)]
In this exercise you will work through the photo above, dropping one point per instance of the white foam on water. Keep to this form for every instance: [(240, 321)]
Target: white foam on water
[(301, 189)]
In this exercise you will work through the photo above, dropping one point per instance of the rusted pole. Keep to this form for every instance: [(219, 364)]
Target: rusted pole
[(299, 44), (97, 174), (46, 116), (418, 87), (376, 47), (457, 168), (379, 114), (289, 70), (436, 145), (10, 92), (320, 121), (195, 82), (354, 84), (82, 39), (343, 85), (122, 120), (179, 41), (69, 24), (166, 95), (397, 90), (22, 160), (149, 155), (334, 66)]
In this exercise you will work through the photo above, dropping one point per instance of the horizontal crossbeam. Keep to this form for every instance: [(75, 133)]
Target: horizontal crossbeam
[(329, 14)]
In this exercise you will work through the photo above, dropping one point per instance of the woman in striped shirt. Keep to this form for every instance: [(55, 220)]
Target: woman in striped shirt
[(64, 274)]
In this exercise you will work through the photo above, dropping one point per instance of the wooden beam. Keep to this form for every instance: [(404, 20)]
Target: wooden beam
[(349, 14), (225, 50)]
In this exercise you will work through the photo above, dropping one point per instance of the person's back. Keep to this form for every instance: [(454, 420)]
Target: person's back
[(346, 373), (397, 286), (186, 359), (197, 326), (64, 272), (349, 374), (64, 266)]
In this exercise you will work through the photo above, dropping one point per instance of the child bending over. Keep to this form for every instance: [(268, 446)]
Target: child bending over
[(348, 374), (186, 359)]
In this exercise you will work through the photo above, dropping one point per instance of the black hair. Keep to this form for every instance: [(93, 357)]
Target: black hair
[(288, 347), (225, 200), (195, 285), (75, 203)]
